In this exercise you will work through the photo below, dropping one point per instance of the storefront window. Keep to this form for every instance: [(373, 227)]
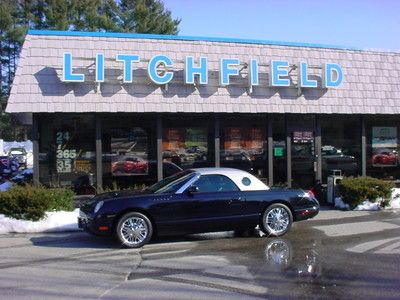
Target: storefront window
[(383, 147), (129, 152), (67, 152), (188, 142), (341, 145), (129, 155), (244, 145)]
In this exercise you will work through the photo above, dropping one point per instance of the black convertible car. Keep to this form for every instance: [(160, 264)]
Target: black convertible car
[(197, 200)]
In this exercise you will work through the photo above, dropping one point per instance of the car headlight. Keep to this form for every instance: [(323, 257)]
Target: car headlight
[(98, 206)]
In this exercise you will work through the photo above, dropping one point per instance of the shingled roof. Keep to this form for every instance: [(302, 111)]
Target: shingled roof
[(371, 78)]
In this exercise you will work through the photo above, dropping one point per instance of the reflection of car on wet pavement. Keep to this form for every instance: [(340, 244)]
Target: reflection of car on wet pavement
[(280, 253), (385, 157), (130, 165), (197, 200)]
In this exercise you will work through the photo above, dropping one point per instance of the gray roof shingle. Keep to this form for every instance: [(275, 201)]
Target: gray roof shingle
[(371, 79)]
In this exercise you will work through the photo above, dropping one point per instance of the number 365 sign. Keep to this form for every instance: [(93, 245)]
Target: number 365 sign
[(64, 157)]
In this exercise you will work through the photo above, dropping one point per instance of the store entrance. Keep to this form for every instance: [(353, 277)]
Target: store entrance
[(301, 130), (303, 159)]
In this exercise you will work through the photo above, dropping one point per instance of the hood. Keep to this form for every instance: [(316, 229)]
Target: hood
[(118, 194)]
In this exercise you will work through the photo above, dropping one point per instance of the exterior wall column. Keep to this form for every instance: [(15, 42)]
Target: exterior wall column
[(217, 141), (288, 153), (35, 148), (318, 149), (270, 152), (99, 155), (159, 148), (363, 148)]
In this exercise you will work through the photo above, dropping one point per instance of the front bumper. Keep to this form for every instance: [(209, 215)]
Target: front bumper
[(97, 225)]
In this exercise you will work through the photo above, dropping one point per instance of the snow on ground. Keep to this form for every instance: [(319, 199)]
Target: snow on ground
[(339, 204), (54, 221), (395, 202), (368, 205)]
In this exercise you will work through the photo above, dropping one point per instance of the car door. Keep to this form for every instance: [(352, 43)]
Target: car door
[(217, 205)]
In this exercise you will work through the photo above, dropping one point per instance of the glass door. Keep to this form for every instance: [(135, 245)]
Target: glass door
[(301, 130), (303, 159)]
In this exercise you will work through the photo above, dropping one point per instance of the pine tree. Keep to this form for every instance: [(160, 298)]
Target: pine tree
[(147, 16), (17, 16)]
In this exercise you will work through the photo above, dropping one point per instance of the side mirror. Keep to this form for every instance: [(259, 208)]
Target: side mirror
[(192, 190)]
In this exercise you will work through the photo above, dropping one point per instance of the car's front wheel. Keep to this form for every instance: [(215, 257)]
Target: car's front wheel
[(276, 220), (134, 230)]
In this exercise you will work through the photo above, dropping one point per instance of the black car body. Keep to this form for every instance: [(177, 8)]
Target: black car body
[(199, 200)]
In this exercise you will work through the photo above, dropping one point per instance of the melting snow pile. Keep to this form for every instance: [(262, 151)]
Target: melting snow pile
[(368, 205), (339, 204), (395, 202), (54, 221)]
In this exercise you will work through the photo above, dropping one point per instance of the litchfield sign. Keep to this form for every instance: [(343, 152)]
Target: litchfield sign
[(159, 70)]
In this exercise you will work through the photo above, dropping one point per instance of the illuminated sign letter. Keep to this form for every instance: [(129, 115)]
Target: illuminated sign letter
[(154, 63), (226, 71), (67, 70), (253, 73), (303, 77), (127, 60), (278, 69), (328, 72), (99, 67), (191, 70)]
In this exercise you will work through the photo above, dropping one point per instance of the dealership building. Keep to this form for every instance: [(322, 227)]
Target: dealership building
[(125, 109)]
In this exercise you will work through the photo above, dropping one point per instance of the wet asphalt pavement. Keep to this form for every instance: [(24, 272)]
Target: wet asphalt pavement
[(338, 255)]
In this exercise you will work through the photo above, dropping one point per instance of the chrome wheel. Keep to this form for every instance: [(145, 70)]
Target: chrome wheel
[(276, 219), (134, 230)]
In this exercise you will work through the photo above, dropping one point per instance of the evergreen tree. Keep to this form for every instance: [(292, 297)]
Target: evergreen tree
[(147, 16), (17, 16)]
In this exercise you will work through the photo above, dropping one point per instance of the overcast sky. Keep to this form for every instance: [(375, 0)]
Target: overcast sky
[(356, 23)]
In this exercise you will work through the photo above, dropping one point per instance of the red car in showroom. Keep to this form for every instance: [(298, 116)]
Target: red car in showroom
[(385, 157), (130, 165)]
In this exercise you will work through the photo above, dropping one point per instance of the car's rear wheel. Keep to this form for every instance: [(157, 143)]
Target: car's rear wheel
[(134, 230), (276, 220)]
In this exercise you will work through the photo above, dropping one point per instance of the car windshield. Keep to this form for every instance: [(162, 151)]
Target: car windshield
[(171, 184)]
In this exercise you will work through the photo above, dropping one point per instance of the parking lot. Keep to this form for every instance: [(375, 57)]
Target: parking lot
[(336, 255)]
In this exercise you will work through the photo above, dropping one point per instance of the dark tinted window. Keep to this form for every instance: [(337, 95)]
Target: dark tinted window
[(215, 183)]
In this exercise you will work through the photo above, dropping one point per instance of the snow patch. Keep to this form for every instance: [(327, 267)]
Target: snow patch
[(395, 202), (367, 205), (339, 204), (54, 221)]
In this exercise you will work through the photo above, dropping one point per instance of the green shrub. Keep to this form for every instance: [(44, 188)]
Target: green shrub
[(31, 203), (355, 190)]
